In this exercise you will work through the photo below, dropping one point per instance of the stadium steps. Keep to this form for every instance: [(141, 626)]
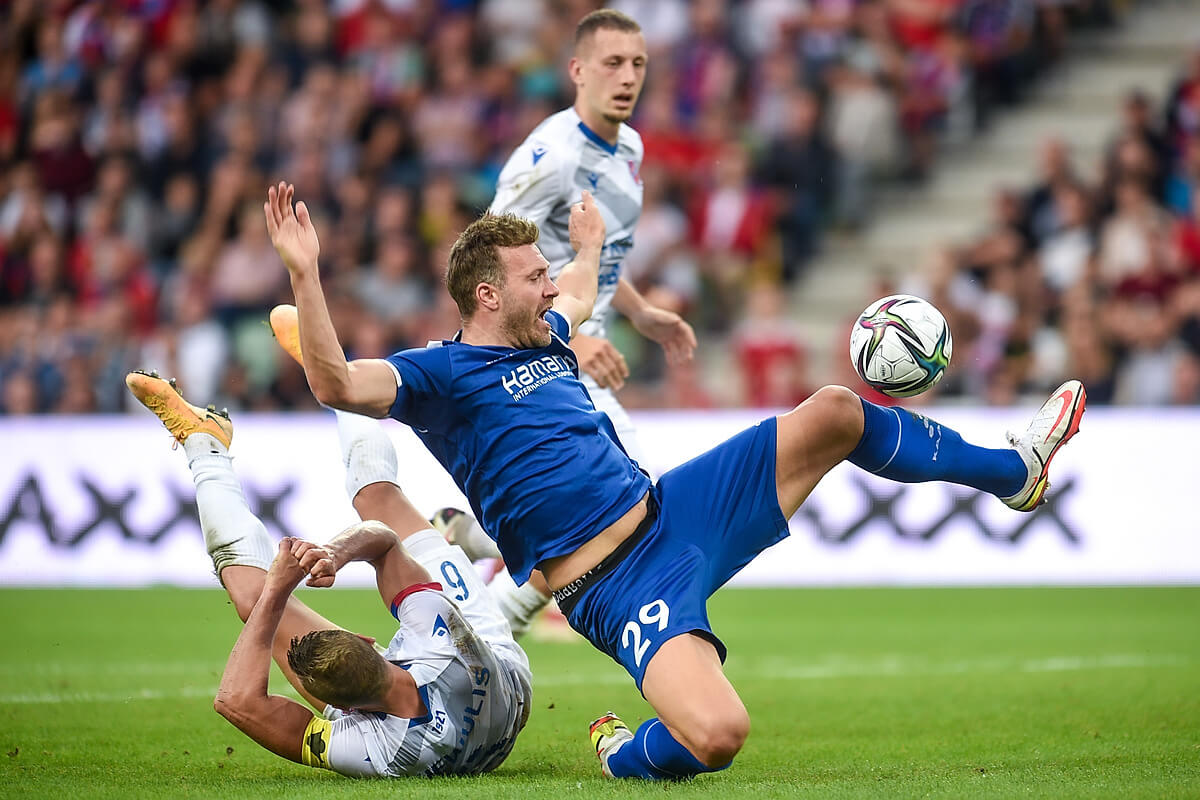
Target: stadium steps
[(1079, 102)]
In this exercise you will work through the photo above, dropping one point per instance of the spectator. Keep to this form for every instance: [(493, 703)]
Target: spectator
[(1137, 122), (134, 145), (1187, 235), (798, 166), (770, 352), (729, 225), (53, 70), (1184, 181), (662, 256), (20, 395), (861, 130), (1055, 171), (1183, 104), (999, 34), (1127, 236), (247, 276), (395, 291), (1065, 254), (116, 189)]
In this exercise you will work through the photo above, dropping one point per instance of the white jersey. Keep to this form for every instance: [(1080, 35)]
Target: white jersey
[(544, 177), (477, 695)]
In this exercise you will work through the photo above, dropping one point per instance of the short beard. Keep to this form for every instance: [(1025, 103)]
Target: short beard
[(524, 336)]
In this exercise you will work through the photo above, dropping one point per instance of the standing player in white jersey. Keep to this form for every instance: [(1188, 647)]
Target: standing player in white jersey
[(588, 147), (452, 690)]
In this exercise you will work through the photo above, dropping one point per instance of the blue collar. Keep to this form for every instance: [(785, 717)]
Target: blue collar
[(597, 140)]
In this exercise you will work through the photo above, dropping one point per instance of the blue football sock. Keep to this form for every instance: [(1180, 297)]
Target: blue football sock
[(654, 754), (910, 448)]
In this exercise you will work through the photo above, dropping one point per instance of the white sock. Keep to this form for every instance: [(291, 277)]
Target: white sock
[(519, 604), (465, 531), (367, 452), (232, 534)]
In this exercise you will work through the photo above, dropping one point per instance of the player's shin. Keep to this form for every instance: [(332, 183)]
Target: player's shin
[(907, 447), (232, 534)]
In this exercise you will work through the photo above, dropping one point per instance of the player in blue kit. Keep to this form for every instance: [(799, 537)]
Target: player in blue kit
[(631, 562), (591, 146)]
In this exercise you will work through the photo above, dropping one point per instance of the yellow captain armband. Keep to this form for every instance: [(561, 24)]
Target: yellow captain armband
[(314, 752)]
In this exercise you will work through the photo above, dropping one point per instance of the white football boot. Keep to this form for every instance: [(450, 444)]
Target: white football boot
[(1053, 425)]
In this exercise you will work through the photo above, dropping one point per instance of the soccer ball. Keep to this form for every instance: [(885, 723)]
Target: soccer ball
[(900, 345)]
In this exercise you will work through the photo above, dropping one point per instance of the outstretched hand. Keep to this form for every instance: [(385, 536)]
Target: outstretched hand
[(670, 330), (291, 229)]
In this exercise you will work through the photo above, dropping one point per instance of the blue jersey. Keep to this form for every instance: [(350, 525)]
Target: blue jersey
[(543, 470)]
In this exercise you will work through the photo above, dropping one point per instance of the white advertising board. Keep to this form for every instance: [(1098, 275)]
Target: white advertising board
[(105, 501)]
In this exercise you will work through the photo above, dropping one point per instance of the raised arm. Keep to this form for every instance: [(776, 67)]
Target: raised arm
[(578, 281), (366, 386), (370, 541), (277, 723)]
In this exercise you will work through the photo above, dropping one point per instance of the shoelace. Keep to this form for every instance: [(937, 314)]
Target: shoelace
[(175, 424), (178, 423)]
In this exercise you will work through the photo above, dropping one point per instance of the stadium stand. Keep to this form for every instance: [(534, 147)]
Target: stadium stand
[(136, 138)]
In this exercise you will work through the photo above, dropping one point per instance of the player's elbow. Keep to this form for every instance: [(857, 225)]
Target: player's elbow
[(225, 705), (345, 396), (334, 394), (233, 707)]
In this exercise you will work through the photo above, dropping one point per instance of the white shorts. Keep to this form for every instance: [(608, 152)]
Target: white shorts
[(606, 401)]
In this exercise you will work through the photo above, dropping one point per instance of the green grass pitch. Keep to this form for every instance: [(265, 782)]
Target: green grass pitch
[(956, 693)]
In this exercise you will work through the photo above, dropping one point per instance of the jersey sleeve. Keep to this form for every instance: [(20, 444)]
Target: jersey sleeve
[(422, 384), (531, 183), (559, 324), (340, 745)]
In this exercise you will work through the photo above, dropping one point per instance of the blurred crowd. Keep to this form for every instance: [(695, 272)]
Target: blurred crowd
[(137, 138), (1093, 277)]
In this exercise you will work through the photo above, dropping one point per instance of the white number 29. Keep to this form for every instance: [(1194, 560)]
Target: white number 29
[(649, 614)]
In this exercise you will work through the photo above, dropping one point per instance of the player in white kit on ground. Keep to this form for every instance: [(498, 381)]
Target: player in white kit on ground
[(586, 147), (451, 691)]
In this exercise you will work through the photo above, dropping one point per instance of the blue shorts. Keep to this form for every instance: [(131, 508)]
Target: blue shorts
[(716, 513)]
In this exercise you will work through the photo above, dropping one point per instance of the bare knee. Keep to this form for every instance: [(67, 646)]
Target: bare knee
[(719, 737), (842, 407), (839, 410)]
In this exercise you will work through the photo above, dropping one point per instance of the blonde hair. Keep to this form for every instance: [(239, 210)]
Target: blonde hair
[(475, 257), (339, 667)]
